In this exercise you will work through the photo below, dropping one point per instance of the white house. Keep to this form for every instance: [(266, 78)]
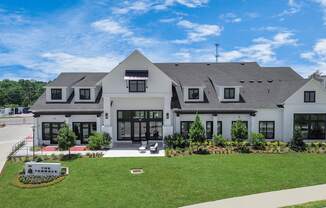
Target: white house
[(140, 100)]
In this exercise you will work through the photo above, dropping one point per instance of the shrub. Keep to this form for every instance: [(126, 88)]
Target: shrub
[(66, 138), (197, 131), (258, 141), (297, 144), (219, 140), (242, 147), (98, 141), (36, 179), (239, 131), (176, 141)]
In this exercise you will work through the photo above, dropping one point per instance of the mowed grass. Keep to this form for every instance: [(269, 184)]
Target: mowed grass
[(317, 204), (167, 182)]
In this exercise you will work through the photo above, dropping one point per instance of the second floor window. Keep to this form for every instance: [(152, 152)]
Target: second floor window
[(229, 93), (137, 86), (56, 94), (309, 96), (84, 94), (193, 93)]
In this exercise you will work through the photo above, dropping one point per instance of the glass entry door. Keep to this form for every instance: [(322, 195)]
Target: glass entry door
[(139, 132)]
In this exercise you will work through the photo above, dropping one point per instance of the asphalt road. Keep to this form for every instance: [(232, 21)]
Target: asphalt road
[(10, 135)]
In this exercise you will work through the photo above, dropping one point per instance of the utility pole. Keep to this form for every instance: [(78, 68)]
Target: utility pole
[(216, 52)]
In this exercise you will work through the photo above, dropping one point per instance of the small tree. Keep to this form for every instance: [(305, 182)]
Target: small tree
[(197, 131), (258, 141), (99, 140), (239, 131), (297, 144), (66, 138)]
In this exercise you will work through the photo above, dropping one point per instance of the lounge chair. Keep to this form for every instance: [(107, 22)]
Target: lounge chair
[(142, 148), (154, 148)]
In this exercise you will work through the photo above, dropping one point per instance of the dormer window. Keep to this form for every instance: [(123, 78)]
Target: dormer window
[(137, 85), (56, 94), (193, 93), (309, 96), (229, 93), (84, 94)]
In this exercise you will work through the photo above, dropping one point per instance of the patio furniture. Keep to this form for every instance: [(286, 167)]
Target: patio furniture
[(154, 148), (142, 148)]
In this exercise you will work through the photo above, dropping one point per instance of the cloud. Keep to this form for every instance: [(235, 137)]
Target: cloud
[(142, 6), (230, 18), (112, 27), (322, 4), (262, 49), (197, 32), (293, 8), (317, 55), (64, 62)]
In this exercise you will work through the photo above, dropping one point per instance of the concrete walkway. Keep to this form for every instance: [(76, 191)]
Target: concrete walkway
[(273, 199), (9, 136)]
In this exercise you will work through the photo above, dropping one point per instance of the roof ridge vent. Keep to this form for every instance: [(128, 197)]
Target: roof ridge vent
[(270, 80), (242, 64), (251, 81), (208, 64), (242, 81), (176, 64), (260, 81)]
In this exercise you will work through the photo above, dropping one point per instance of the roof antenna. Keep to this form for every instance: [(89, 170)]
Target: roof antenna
[(216, 54)]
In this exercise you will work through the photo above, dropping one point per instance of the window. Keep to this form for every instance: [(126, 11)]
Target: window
[(56, 94), (137, 85), (312, 126), (83, 130), (185, 126), (84, 94), (229, 93), (209, 129), (219, 128), (193, 93), (50, 131), (267, 128), (309, 96)]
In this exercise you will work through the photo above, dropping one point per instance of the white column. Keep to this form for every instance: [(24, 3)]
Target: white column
[(107, 116), (68, 120), (167, 115), (214, 124), (177, 124), (252, 123), (36, 133), (98, 123)]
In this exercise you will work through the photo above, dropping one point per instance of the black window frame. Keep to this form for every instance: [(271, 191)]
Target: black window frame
[(309, 96), (210, 131), (56, 94), (188, 126), (310, 134), (229, 93), (91, 126), (192, 92), (83, 95), (51, 134), (219, 132), (138, 84), (266, 133)]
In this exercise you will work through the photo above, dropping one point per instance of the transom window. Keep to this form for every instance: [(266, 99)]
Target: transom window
[(56, 94), (267, 128), (137, 86), (193, 93), (84, 94), (312, 126), (229, 93), (309, 96)]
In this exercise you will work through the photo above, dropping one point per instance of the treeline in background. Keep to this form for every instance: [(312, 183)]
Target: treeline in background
[(20, 93)]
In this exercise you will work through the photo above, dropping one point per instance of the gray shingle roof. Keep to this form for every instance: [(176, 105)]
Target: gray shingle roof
[(77, 79), (261, 87)]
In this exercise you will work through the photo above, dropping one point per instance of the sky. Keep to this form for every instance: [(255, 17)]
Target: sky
[(41, 38)]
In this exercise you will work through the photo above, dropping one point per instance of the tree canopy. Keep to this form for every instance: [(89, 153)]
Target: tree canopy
[(20, 93)]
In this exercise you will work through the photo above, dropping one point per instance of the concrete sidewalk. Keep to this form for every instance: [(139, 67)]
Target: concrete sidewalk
[(273, 199)]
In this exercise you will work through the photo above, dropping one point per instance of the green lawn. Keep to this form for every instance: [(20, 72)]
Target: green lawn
[(317, 204), (167, 182)]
